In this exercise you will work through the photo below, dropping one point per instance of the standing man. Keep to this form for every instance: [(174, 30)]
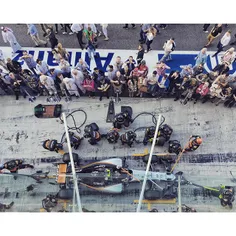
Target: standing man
[(223, 42), (29, 60), (78, 29), (2, 61), (8, 36), (168, 47), (194, 142), (104, 30), (143, 31), (33, 32), (52, 38), (215, 32), (103, 87)]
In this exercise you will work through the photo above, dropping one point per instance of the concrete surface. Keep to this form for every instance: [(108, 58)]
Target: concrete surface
[(21, 136)]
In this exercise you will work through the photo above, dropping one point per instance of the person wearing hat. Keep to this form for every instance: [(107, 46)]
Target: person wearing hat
[(223, 42), (128, 138), (194, 142), (169, 46), (8, 36)]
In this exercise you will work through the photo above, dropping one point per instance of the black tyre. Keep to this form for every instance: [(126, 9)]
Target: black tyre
[(152, 195), (65, 194), (160, 141), (66, 157), (155, 159)]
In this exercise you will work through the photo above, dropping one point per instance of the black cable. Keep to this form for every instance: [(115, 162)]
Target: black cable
[(154, 121), (74, 128)]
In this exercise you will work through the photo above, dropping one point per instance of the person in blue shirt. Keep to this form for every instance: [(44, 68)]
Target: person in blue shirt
[(33, 32)]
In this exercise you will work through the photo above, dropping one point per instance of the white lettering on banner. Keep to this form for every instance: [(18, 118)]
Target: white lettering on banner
[(107, 57)]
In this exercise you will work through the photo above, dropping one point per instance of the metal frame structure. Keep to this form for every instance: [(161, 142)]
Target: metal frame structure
[(148, 164), (76, 188)]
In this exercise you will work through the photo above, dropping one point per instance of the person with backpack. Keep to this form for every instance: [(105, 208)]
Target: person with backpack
[(169, 46)]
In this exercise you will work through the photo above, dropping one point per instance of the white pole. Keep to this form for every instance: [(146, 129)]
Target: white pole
[(179, 194), (72, 164), (148, 164)]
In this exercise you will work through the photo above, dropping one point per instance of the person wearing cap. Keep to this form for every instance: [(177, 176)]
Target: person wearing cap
[(169, 46), (8, 36), (223, 42), (194, 142)]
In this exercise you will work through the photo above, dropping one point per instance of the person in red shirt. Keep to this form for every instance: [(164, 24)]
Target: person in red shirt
[(88, 84), (201, 91)]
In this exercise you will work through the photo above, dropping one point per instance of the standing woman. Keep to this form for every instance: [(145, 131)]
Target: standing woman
[(201, 57), (140, 54), (8, 36), (151, 34), (62, 51)]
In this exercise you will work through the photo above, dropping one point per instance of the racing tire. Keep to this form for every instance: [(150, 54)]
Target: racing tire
[(160, 141), (66, 157), (65, 194), (152, 195)]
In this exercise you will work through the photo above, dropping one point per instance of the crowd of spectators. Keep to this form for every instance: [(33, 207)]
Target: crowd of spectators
[(126, 77)]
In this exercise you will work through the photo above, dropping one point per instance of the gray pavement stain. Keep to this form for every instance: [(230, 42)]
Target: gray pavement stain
[(209, 165)]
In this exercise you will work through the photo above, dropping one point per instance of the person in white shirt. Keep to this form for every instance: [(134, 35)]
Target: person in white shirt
[(71, 86), (104, 30), (48, 82), (78, 29), (78, 77), (168, 47), (151, 34), (8, 36), (2, 61), (42, 67), (223, 42)]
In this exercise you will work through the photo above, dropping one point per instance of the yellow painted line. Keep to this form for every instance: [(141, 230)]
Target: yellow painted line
[(42, 210), (160, 201), (149, 206)]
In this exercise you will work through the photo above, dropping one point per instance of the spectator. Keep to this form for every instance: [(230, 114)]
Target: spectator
[(65, 67), (67, 26), (2, 61), (214, 92), (132, 86), (125, 72), (56, 56), (140, 54), (198, 70), (143, 69), (52, 38), (29, 60), (175, 81), (89, 86), (230, 102), (111, 72), (42, 67), (221, 68), (224, 94), (71, 87), (152, 83), (104, 30), (13, 66), (8, 36), (62, 51), (229, 56), (184, 85), (103, 87), (117, 82), (143, 31), (48, 83), (168, 47), (187, 71), (161, 68), (215, 32), (151, 34), (201, 91), (118, 64), (78, 77), (78, 29), (223, 42), (33, 32), (201, 57), (81, 65), (96, 75), (130, 62), (126, 26), (163, 85)]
